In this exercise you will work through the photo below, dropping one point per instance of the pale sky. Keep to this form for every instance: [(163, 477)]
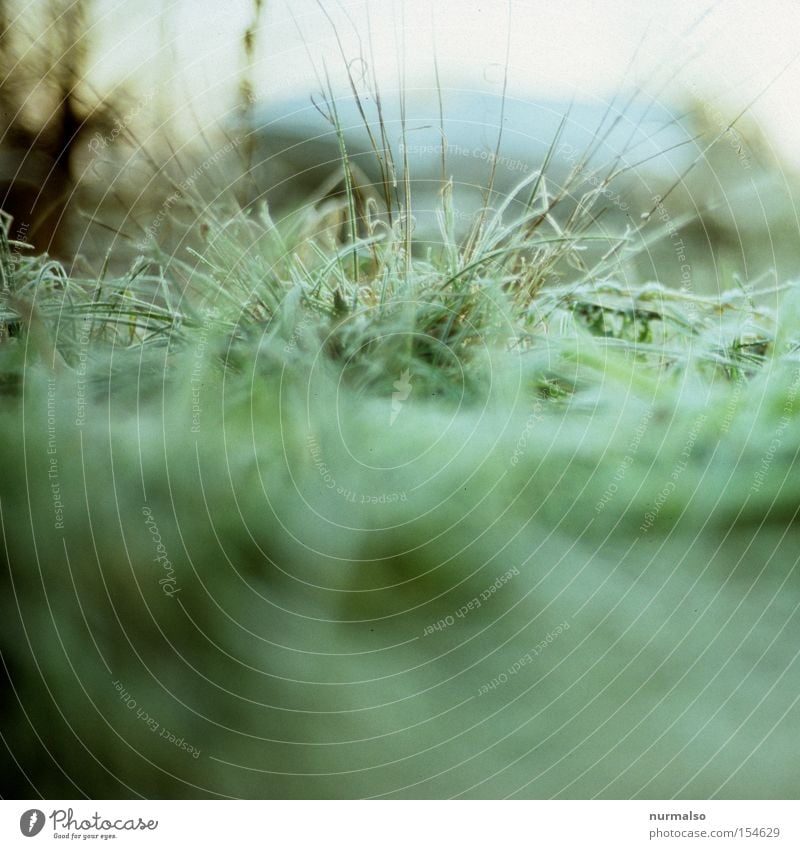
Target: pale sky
[(729, 51)]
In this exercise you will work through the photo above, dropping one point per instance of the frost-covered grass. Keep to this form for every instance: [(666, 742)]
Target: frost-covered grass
[(304, 514)]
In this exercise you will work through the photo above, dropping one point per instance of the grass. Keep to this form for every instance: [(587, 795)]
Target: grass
[(311, 513)]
